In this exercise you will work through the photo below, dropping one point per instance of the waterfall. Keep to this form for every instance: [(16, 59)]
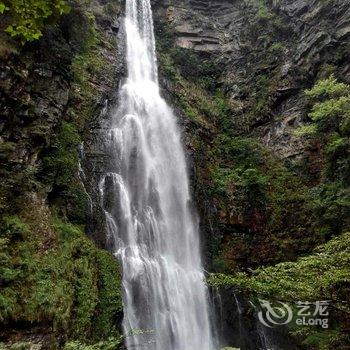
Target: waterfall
[(146, 201)]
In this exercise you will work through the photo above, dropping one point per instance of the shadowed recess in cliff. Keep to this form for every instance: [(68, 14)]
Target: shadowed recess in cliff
[(146, 200)]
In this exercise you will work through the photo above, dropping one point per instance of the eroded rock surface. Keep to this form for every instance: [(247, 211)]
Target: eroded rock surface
[(285, 40)]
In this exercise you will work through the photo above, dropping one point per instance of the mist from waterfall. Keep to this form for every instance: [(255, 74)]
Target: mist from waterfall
[(146, 200)]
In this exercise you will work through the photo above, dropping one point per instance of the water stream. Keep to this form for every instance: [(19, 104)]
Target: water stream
[(147, 205)]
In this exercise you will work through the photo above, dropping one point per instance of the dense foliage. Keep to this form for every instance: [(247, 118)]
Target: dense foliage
[(28, 17), (324, 275), (330, 120)]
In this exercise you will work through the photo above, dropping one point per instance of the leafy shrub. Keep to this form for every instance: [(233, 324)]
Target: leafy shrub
[(330, 116), (330, 103), (307, 129), (109, 307), (28, 17), (328, 113), (328, 88), (60, 170), (338, 159), (167, 67), (245, 152), (243, 186), (238, 169), (330, 202)]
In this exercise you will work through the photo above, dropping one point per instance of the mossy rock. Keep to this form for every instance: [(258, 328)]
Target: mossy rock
[(61, 279)]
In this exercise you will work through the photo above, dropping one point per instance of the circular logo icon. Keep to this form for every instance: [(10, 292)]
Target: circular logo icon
[(274, 315)]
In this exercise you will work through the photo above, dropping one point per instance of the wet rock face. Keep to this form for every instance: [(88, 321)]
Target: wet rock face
[(238, 325), (34, 96), (95, 158), (200, 25), (286, 41), (312, 26), (64, 78)]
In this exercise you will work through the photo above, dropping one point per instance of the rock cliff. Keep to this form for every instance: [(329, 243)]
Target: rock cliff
[(261, 88), (58, 289), (240, 70), (251, 80)]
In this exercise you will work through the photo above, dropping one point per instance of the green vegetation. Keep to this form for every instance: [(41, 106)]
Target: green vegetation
[(286, 214), (241, 179), (277, 47), (111, 344), (263, 12), (308, 129), (268, 210), (299, 214), (319, 276), (89, 65), (261, 100), (330, 108), (62, 164), (260, 198), (265, 15), (61, 161), (323, 275), (331, 104), (198, 104), (330, 111), (194, 79), (52, 273), (60, 170), (263, 200), (29, 17), (53, 279)]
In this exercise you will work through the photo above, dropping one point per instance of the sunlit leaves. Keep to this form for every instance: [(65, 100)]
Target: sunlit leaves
[(328, 88), (29, 17)]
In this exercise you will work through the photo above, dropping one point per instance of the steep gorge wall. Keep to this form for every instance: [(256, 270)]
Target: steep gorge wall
[(57, 285), (240, 70), (238, 74), (235, 72)]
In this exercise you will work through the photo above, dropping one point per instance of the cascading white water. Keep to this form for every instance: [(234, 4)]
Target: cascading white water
[(147, 206)]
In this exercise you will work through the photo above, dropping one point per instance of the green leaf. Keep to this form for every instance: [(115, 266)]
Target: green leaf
[(30, 17), (2, 7), (10, 29)]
